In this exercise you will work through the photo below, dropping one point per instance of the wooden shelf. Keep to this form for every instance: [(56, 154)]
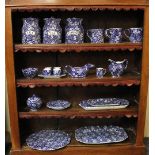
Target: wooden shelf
[(91, 80), (77, 47), (77, 146), (75, 111)]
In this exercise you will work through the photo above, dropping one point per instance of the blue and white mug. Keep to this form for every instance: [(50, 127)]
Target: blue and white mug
[(135, 35), (100, 72), (96, 35), (114, 35)]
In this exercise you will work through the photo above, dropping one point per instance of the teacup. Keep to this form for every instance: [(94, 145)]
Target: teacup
[(57, 71), (135, 35), (114, 35), (96, 35), (47, 71), (100, 72)]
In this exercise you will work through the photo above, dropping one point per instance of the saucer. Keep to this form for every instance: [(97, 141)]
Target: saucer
[(51, 76)]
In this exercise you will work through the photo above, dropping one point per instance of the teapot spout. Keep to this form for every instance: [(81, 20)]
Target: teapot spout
[(110, 60), (89, 65)]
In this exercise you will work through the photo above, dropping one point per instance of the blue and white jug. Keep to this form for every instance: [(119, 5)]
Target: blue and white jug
[(31, 31), (52, 32), (74, 31)]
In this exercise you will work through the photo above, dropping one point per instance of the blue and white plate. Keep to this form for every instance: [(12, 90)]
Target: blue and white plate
[(51, 76), (104, 103), (100, 134), (47, 140), (58, 104)]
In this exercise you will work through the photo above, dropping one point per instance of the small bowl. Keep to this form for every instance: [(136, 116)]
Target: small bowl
[(30, 72)]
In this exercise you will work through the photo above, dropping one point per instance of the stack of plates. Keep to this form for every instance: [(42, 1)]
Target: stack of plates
[(104, 103)]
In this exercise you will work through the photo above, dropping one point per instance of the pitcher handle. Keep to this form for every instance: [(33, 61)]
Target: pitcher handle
[(107, 33), (88, 34), (125, 63), (126, 30)]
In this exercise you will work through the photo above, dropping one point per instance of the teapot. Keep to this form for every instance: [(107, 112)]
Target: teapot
[(117, 68), (78, 72)]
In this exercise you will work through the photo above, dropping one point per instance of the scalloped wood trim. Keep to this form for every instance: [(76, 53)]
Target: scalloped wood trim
[(88, 81), (77, 8), (77, 47)]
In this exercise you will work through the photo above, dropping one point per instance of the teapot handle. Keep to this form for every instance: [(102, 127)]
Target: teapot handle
[(125, 63)]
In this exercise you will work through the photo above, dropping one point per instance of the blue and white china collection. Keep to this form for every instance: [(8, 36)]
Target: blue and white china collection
[(117, 68), (50, 140), (114, 35), (78, 72), (74, 32), (135, 35), (34, 102), (31, 31), (96, 35), (52, 31), (100, 72), (30, 72)]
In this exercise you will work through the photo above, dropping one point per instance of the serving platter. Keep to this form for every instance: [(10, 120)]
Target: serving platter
[(100, 134), (58, 104), (52, 76), (48, 140), (104, 103)]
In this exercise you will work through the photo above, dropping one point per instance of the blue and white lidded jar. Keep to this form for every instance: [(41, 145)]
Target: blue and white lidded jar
[(74, 31), (52, 31), (34, 102), (31, 31)]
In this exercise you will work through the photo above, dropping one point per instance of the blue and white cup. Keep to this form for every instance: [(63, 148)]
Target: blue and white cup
[(135, 35), (114, 35), (47, 71), (96, 35), (57, 71), (100, 72)]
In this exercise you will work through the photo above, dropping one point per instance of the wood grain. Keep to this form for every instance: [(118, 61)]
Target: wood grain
[(75, 3), (11, 86), (78, 47), (91, 80), (144, 80), (75, 111)]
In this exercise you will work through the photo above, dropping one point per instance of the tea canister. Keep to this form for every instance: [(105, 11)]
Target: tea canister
[(34, 102), (74, 32), (52, 31), (31, 31)]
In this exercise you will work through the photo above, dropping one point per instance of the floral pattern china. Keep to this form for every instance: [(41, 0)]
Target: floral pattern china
[(48, 140), (100, 134), (58, 104)]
